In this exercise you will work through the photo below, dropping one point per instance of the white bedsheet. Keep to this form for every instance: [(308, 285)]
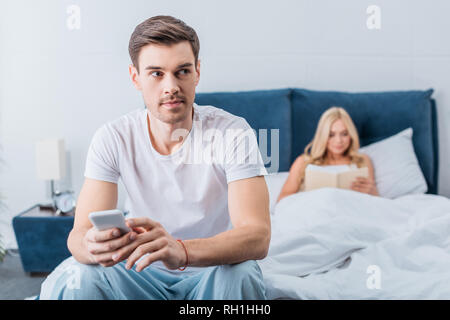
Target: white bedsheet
[(341, 244)]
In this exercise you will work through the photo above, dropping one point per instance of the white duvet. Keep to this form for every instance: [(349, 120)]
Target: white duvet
[(341, 244)]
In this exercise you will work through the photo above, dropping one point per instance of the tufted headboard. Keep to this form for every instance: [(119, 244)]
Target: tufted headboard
[(296, 112)]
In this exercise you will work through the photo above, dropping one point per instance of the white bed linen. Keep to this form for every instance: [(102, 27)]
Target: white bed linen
[(325, 243)]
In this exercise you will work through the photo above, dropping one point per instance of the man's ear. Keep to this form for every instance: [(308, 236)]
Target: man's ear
[(197, 70), (134, 76)]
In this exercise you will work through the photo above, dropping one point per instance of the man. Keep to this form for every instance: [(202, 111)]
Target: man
[(198, 223)]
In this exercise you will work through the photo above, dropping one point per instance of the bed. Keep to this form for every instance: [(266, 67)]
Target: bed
[(340, 244)]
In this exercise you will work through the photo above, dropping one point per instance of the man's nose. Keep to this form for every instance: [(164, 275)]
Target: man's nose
[(171, 85)]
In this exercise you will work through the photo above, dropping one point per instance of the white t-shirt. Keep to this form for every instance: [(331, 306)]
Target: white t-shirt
[(185, 191)]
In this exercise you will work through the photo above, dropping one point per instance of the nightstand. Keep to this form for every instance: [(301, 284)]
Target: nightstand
[(42, 238)]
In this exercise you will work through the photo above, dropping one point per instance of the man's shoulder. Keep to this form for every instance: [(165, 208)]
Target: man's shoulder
[(126, 119), (219, 118), (124, 125), (125, 122)]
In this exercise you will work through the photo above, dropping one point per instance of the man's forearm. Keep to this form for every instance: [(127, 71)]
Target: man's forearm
[(232, 246), (77, 248)]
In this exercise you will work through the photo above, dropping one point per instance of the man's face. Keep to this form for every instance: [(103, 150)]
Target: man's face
[(167, 73)]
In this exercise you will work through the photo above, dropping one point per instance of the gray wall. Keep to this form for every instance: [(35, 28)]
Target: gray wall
[(56, 82)]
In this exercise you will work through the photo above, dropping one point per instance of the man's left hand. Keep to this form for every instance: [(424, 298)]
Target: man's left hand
[(157, 243)]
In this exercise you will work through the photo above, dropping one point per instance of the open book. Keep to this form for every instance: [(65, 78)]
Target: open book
[(340, 176)]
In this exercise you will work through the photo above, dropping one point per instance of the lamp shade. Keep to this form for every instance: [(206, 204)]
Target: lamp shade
[(50, 159)]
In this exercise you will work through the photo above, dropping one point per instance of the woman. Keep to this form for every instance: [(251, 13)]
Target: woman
[(335, 142)]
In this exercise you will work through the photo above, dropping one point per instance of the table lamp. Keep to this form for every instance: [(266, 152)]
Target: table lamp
[(51, 165)]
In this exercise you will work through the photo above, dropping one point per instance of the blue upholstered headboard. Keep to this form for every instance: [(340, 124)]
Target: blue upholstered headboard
[(377, 115)]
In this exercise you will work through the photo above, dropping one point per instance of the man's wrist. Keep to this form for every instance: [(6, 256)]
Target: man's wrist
[(186, 259)]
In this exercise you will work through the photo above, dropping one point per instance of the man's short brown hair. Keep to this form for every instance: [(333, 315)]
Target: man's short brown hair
[(165, 30)]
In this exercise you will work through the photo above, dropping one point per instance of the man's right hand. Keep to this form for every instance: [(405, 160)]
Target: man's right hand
[(102, 245)]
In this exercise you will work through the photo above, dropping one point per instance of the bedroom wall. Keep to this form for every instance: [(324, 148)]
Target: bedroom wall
[(60, 81)]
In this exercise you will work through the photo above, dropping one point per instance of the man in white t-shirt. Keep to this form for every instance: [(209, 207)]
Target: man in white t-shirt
[(193, 174)]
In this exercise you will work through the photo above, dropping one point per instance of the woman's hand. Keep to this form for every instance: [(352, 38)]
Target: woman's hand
[(365, 185)]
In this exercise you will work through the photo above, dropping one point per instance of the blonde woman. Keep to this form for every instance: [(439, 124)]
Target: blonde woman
[(335, 142)]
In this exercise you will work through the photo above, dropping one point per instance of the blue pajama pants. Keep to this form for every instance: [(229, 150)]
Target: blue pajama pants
[(73, 280)]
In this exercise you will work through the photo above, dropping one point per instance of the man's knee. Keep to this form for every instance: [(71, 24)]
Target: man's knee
[(244, 271), (74, 280), (245, 275)]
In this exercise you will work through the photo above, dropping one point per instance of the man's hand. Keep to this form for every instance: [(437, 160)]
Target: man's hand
[(364, 185), (103, 245), (152, 239)]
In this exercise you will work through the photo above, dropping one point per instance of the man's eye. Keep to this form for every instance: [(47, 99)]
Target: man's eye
[(184, 71), (155, 73)]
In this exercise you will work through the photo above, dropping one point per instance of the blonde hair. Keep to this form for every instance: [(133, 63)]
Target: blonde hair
[(315, 152)]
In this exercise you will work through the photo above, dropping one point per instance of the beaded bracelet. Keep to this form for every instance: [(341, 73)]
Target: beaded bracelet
[(187, 256)]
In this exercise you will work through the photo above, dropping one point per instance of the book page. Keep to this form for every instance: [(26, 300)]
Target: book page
[(337, 168), (345, 179), (319, 179)]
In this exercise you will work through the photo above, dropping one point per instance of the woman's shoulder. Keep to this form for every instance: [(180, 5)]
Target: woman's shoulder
[(302, 159), (366, 159), (300, 162)]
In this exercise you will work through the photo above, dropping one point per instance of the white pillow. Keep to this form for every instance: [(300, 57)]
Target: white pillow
[(275, 183), (397, 171)]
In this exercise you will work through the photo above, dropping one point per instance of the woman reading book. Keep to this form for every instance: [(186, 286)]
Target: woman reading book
[(335, 142)]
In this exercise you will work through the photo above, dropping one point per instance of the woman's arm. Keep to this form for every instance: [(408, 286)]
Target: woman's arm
[(367, 185), (292, 183), (371, 175)]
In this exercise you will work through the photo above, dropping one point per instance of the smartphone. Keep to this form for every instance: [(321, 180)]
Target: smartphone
[(109, 219)]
